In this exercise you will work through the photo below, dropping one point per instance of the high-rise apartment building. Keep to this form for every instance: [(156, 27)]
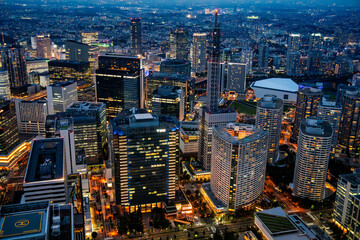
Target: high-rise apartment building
[(198, 53), (312, 158), (211, 115), (31, 116), (269, 112), (314, 53), (246, 56), (353, 228), (293, 63), (169, 100), (315, 42), (60, 95), (63, 70), (135, 37), (76, 51), (330, 111), (9, 136), (308, 100), (349, 129), (13, 60), (179, 44), (238, 164), (119, 83), (263, 60), (293, 43), (4, 86), (293, 55), (43, 46), (348, 186), (145, 148)]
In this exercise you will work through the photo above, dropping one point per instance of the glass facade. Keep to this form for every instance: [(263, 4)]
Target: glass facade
[(119, 83), (9, 136), (62, 71), (145, 148)]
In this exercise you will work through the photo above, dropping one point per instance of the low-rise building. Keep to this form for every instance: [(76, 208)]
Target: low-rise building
[(275, 224)]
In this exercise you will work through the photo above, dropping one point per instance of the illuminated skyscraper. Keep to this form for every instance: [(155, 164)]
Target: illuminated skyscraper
[(314, 54), (308, 100), (135, 37), (238, 164), (269, 118), (43, 46), (236, 77), (13, 60), (145, 148), (169, 100), (293, 43), (4, 86), (315, 42), (247, 58), (211, 115), (330, 111), (293, 55), (119, 83), (349, 130), (312, 158), (293, 63), (348, 186), (263, 55), (179, 44), (9, 136), (198, 53)]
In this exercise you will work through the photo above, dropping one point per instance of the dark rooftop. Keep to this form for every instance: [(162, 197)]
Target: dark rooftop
[(46, 161)]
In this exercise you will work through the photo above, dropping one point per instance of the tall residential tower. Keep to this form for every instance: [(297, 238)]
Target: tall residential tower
[(269, 118)]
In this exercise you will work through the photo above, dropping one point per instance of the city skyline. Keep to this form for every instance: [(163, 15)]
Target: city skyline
[(217, 120)]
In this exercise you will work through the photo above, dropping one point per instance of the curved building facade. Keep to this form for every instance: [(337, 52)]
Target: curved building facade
[(312, 158), (269, 112), (308, 100), (238, 164), (176, 66)]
